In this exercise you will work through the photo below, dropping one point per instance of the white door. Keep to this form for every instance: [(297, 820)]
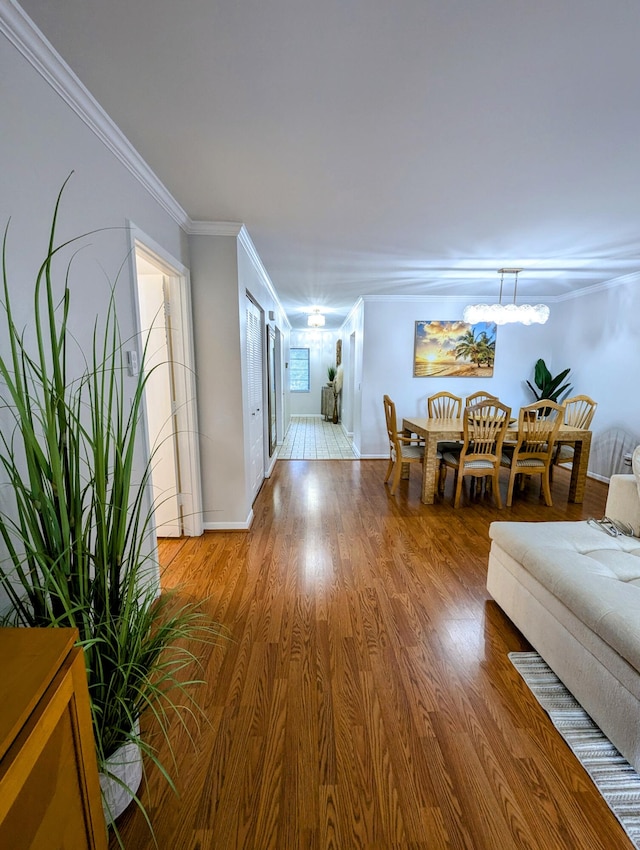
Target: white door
[(255, 400), (156, 332)]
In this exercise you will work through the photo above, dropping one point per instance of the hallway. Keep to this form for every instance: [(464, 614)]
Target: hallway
[(313, 438)]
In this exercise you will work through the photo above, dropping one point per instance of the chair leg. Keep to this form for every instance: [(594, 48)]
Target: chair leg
[(546, 489), (495, 482), (442, 479), (456, 499), (397, 472), (389, 468), (512, 480)]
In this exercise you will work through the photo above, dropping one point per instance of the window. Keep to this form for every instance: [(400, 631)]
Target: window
[(299, 370)]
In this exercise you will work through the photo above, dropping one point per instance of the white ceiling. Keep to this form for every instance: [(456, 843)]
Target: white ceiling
[(407, 147)]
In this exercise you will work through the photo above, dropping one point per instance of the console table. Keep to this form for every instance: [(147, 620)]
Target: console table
[(49, 787), (326, 404)]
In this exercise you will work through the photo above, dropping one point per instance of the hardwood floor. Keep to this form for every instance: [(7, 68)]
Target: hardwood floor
[(365, 700)]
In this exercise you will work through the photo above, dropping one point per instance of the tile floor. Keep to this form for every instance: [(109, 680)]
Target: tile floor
[(312, 438)]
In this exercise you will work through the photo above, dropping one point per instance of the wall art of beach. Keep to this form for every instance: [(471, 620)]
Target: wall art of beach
[(454, 349)]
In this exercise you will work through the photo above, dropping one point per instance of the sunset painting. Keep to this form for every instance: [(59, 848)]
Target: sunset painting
[(454, 349)]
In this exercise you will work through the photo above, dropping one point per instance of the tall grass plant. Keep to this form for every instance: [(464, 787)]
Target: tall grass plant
[(76, 519)]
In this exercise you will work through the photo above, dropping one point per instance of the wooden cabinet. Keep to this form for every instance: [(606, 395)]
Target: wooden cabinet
[(326, 403), (329, 403), (49, 787)]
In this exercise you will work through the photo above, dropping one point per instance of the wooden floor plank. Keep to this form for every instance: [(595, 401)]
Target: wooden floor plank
[(364, 699)]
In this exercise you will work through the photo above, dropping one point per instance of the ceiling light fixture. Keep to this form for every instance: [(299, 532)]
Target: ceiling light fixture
[(503, 314), (316, 319)]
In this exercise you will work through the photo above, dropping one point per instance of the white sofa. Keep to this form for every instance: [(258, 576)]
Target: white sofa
[(574, 592)]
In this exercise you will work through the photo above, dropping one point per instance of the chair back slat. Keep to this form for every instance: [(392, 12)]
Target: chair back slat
[(444, 405), (474, 398), (538, 426), (391, 420), (485, 425), (402, 448), (579, 411)]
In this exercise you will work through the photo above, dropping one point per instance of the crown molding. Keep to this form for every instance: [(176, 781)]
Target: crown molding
[(32, 44), (461, 299), (614, 283), (247, 243), (352, 312), (215, 228), (238, 231)]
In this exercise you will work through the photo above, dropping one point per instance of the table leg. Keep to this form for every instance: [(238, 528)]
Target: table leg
[(579, 468), (430, 469)]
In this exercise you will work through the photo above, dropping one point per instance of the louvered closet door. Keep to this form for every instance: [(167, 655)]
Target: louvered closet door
[(254, 388)]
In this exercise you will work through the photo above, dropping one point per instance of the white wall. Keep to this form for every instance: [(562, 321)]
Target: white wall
[(598, 336), (351, 334), (223, 270), (388, 343), (322, 353), (253, 280), (43, 139), (214, 287)]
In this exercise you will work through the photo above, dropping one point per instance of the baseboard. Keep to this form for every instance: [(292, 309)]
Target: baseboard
[(229, 526), (272, 463)]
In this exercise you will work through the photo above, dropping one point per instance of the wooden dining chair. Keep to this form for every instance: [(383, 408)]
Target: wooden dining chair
[(578, 413), (444, 405), (538, 426), (485, 425), (474, 398), (402, 449)]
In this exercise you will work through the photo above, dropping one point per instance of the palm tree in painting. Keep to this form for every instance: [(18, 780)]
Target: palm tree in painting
[(486, 349), (479, 350), (467, 347)]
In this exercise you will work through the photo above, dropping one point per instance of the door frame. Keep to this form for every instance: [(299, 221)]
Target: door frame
[(185, 381)]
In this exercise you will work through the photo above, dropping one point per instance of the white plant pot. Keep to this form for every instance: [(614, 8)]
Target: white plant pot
[(126, 764)]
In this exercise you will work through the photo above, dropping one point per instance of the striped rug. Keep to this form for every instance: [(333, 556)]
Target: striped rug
[(613, 776)]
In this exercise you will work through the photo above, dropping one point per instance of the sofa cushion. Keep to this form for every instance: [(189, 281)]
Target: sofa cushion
[(595, 576), (520, 538)]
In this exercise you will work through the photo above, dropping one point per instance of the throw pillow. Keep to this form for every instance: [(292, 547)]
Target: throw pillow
[(635, 465)]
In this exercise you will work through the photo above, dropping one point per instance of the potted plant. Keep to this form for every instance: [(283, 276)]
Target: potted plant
[(331, 374), (549, 386), (76, 526)]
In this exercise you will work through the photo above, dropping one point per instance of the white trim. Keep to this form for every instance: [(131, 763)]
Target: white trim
[(21, 31), (632, 277), (230, 526), (214, 228), (273, 459), (157, 254), (245, 240), (604, 478), (186, 399), (352, 312), (461, 299)]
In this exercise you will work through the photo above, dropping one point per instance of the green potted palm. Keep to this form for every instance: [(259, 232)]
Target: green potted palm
[(75, 523), (548, 385)]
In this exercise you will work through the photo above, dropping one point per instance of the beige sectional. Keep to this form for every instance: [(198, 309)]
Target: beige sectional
[(574, 592)]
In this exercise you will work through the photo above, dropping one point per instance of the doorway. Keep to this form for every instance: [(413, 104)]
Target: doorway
[(255, 387), (163, 312)]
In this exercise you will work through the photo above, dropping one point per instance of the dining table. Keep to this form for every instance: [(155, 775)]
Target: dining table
[(434, 431)]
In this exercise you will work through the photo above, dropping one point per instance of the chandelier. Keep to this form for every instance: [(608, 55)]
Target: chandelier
[(503, 314), (316, 319)]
